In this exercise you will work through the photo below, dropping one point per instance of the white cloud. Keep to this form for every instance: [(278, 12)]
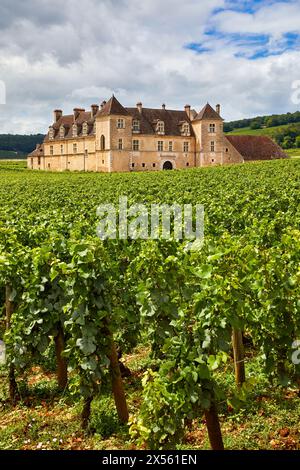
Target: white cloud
[(274, 19), (56, 54)]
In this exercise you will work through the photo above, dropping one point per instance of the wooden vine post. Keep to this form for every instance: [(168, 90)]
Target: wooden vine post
[(86, 412), (238, 356), (214, 428), (117, 383), (9, 308), (62, 366)]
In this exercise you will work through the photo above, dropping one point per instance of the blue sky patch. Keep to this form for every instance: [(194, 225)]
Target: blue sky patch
[(249, 46), (250, 6), (197, 47)]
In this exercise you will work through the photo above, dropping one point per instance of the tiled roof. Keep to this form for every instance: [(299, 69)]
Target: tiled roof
[(256, 147), (68, 120), (149, 117), (208, 113), (38, 151), (113, 106)]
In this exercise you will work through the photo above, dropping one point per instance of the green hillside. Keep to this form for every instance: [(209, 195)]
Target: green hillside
[(287, 135), (269, 131), (18, 146)]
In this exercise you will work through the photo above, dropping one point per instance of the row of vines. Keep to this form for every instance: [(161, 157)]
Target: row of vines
[(94, 300)]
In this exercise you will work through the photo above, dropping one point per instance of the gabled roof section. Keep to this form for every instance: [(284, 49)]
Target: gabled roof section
[(113, 106), (149, 117), (68, 120), (208, 113), (38, 151), (256, 147)]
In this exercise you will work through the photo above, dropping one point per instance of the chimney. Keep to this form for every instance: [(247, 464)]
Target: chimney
[(139, 107), (218, 109), (76, 112), (94, 110), (57, 114), (187, 109), (163, 106), (103, 104)]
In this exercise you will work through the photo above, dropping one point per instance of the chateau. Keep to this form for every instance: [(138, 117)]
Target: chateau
[(112, 138)]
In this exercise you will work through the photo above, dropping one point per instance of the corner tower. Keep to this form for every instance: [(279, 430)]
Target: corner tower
[(208, 128), (113, 136)]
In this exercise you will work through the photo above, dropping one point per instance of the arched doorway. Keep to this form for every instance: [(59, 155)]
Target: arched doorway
[(168, 166)]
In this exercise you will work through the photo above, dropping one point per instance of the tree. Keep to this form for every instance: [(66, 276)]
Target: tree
[(297, 141), (287, 142), (255, 125)]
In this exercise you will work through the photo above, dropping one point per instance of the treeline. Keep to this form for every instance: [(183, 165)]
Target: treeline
[(22, 144), (260, 122), (288, 137)]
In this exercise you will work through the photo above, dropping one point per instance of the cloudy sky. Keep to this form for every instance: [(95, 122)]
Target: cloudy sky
[(62, 54)]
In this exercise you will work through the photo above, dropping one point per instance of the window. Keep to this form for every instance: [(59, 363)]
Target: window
[(102, 162), (61, 149), (62, 131), (160, 127), (212, 128), (85, 128), (120, 144), (160, 146), (136, 145), (74, 130), (51, 133), (143, 165), (132, 164), (187, 164), (86, 153), (39, 160), (154, 165), (227, 150), (102, 142), (212, 160), (49, 165), (51, 149), (170, 146), (186, 129), (185, 147), (136, 125), (74, 148), (120, 124), (212, 146)]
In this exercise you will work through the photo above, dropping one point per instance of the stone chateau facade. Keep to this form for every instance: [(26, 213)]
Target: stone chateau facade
[(111, 138)]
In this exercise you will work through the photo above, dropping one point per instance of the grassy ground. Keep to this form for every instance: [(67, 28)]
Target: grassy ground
[(45, 419), (13, 164), (269, 131), (293, 153)]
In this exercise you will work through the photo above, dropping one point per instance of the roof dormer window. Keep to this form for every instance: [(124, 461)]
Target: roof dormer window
[(74, 130), (62, 131), (136, 125), (160, 127), (51, 133), (185, 130), (85, 128)]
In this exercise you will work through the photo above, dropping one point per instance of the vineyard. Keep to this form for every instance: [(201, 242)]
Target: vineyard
[(146, 343)]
